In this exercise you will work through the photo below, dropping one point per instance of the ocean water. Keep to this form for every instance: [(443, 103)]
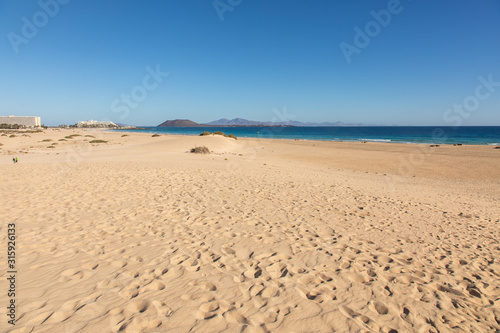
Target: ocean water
[(472, 135)]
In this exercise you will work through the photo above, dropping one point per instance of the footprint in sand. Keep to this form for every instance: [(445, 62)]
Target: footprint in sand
[(228, 250), (137, 306), (203, 285), (137, 324), (379, 308), (272, 315), (253, 272), (192, 265), (359, 277), (233, 316), (155, 285), (119, 263), (71, 274), (90, 265), (72, 305), (133, 274), (160, 271), (405, 315), (256, 289), (269, 292), (129, 292), (277, 270), (207, 310), (162, 309), (319, 294), (361, 320), (118, 322)]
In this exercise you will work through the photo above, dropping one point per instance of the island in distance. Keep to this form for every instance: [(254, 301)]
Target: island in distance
[(240, 122)]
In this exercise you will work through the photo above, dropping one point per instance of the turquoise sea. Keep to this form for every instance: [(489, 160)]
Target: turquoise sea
[(473, 135)]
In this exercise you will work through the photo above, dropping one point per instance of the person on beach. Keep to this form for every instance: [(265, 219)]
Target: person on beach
[(16, 160)]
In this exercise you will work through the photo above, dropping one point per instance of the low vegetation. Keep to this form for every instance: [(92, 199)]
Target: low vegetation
[(47, 140), (124, 135), (11, 126), (219, 133), (62, 140), (155, 135), (89, 136), (98, 141), (19, 131), (200, 150), (51, 147)]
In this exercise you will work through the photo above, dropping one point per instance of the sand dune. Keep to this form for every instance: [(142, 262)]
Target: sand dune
[(138, 235)]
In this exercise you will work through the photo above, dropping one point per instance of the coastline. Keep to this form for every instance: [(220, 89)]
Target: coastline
[(470, 135), (137, 234)]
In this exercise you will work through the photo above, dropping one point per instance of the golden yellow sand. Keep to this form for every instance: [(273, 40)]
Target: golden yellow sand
[(137, 235)]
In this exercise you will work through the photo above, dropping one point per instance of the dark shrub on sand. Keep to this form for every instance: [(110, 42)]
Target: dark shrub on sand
[(200, 150), (98, 141), (155, 135)]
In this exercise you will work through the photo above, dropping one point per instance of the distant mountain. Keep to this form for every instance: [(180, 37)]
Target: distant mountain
[(179, 123), (245, 122), (239, 122)]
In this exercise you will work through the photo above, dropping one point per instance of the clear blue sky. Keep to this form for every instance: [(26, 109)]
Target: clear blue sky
[(263, 56)]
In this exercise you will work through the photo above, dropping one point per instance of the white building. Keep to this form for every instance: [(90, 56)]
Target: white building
[(95, 123), (23, 121)]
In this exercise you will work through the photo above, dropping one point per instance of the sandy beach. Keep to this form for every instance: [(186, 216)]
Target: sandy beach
[(136, 234)]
